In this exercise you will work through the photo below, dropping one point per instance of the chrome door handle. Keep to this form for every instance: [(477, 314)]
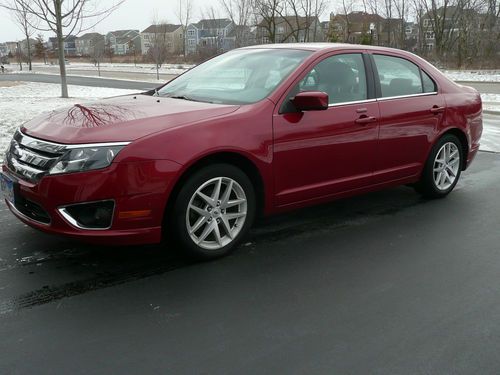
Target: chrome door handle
[(437, 109), (363, 120)]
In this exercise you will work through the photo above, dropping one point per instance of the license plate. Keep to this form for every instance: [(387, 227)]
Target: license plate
[(7, 188)]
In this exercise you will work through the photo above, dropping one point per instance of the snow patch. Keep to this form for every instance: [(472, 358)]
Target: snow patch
[(22, 102)]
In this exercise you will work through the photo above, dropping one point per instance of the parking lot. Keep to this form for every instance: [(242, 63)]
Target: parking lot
[(381, 283)]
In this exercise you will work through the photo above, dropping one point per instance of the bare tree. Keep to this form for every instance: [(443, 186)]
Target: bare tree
[(267, 14), (26, 22), (183, 13), (158, 44), (239, 12), (65, 17)]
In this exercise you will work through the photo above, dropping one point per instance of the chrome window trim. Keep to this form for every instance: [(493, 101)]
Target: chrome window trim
[(19, 213), (352, 102), (66, 216), (407, 96), (63, 147)]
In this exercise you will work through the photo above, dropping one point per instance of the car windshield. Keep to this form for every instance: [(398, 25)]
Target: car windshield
[(237, 77)]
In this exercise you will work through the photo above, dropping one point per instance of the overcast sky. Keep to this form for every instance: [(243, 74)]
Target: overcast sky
[(133, 14)]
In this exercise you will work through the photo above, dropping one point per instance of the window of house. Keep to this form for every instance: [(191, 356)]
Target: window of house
[(280, 30), (399, 77), (429, 35), (190, 32), (191, 42), (427, 22)]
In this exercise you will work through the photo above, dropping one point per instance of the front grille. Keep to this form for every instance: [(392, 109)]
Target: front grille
[(31, 158)]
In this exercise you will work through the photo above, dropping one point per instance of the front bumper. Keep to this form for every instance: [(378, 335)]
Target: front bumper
[(135, 187)]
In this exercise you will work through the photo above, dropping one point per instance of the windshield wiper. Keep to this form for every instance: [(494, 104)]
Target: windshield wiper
[(185, 97)]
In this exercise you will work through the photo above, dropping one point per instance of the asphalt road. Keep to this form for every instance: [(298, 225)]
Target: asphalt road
[(80, 81), (385, 283)]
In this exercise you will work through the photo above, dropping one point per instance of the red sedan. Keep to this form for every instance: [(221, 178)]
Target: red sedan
[(257, 130)]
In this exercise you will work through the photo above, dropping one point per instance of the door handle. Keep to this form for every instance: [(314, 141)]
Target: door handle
[(363, 120), (437, 109)]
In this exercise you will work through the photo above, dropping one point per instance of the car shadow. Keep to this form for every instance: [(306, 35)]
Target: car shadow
[(52, 267)]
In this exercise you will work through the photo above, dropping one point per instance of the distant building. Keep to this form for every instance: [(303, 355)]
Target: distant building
[(122, 42), (210, 34), (4, 51), (12, 48), (366, 28), (70, 45), (170, 35), (87, 43), (290, 29)]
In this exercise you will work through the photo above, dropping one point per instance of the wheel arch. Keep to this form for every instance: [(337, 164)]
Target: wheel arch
[(236, 159), (460, 134)]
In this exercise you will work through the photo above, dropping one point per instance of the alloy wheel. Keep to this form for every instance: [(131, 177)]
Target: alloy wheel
[(446, 166), (216, 213)]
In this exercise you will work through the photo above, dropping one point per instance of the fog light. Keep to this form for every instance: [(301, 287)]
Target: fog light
[(93, 215)]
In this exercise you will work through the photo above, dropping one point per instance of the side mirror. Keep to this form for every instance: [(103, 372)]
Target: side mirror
[(310, 101)]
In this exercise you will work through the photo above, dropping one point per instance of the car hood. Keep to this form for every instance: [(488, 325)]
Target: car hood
[(119, 119)]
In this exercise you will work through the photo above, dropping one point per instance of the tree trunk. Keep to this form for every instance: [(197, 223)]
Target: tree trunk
[(28, 44), (60, 44)]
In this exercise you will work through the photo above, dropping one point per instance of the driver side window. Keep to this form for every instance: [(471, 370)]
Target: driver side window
[(342, 77)]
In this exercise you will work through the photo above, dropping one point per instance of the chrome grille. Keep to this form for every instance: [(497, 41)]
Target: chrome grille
[(31, 158)]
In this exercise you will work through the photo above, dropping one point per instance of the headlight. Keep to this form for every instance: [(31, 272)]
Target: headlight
[(85, 159)]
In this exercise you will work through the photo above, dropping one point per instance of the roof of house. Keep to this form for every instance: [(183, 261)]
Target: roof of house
[(219, 23), (122, 33), (359, 17), (90, 36), (161, 29)]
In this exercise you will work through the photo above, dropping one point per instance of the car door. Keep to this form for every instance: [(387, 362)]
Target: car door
[(410, 111), (325, 152)]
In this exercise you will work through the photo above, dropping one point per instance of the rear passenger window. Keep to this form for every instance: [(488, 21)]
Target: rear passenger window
[(429, 84), (397, 76)]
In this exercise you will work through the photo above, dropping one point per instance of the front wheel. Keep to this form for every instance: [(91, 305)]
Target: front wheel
[(442, 169), (213, 211)]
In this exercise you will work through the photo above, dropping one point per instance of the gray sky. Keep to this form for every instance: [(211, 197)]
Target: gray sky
[(133, 14)]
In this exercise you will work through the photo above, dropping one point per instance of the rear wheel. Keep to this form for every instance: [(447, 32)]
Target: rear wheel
[(442, 169), (214, 210)]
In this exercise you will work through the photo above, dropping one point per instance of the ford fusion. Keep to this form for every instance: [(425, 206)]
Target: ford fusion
[(257, 130)]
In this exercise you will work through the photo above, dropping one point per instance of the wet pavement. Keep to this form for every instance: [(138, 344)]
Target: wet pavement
[(382, 283)]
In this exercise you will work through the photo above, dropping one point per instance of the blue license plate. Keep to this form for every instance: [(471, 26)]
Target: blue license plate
[(7, 187)]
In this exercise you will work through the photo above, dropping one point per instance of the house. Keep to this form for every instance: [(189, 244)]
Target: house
[(11, 48), (366, 28), (240, 36), (355, 27), (209, 34), (70, 45), (290, 29), (122, 42), (23, 45), (88, 44), (4, 51), (170, 36), (52, 44)]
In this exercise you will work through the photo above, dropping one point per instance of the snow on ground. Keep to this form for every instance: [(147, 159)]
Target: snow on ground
[(473, 75), (23, 101)]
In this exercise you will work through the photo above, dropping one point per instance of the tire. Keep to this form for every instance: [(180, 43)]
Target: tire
[(208, 223), (442, 169)]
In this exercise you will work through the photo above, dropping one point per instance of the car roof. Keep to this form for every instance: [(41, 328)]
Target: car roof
[(320, 46)]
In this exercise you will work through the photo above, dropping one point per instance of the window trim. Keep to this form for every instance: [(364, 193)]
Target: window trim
[(370, 83), (378, 87)]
